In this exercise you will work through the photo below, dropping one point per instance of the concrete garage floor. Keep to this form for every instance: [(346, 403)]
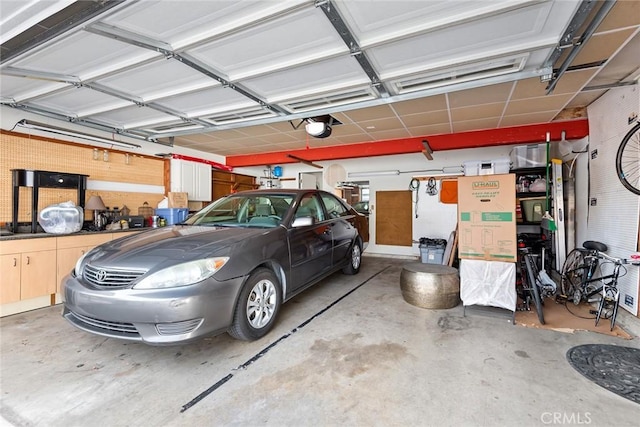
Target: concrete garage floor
[(368, 359)]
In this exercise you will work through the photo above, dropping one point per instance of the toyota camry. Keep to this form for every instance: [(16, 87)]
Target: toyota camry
[(228, 268)]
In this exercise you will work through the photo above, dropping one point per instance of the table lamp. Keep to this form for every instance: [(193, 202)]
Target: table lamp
[(96, 205)]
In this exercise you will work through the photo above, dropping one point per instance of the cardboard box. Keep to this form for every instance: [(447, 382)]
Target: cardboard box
[(487, 218), (178, 200)]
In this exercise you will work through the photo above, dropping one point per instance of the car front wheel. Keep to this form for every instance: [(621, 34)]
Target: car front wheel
[(257, 306), (355, 260)]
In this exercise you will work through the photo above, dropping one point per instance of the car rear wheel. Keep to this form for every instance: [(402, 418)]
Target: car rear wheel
[(355, 260), (257, 306)]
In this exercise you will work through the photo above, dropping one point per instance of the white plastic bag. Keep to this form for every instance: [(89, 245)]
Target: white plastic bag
[(490, 283), (63, 218), (539, 185)]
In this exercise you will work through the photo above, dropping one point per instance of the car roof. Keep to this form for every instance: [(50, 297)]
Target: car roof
[(290, 191)]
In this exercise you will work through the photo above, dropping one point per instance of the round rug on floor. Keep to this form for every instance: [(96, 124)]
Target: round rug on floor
[(615, 368)]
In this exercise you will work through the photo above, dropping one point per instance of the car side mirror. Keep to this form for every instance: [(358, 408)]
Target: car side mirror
[(302, 221)]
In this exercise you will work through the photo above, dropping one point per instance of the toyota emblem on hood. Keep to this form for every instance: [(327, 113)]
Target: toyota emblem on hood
[(101, 276)]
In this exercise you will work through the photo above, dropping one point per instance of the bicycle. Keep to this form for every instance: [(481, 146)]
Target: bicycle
[(628, 160), (533, 284), (579, 282)]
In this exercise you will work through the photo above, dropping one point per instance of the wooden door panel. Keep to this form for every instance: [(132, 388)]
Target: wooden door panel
[(394, 224), (9, 278), (38, 274)]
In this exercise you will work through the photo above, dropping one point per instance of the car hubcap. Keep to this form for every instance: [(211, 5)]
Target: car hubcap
[(261, 304), (355, 256)]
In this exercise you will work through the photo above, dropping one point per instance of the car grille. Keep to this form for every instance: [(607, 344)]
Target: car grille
[(178, 328), (117, 327), (108, 278)]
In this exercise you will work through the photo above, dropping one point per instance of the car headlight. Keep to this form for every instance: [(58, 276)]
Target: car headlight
[(79, 264), (182, 274)]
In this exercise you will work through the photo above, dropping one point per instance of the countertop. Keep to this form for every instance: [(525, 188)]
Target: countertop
[(21, 236)]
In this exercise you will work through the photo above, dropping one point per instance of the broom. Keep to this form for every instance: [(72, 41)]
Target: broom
[(547, 222)]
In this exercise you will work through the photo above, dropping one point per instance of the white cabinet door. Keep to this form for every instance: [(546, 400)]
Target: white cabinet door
[(193, 178), (202, 179), (176, 175)]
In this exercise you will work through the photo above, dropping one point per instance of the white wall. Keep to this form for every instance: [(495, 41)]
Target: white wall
[(614, 219)]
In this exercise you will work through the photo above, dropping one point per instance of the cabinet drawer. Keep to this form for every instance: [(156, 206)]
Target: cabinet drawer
[(57, 180), (27, 245), (83, 240)]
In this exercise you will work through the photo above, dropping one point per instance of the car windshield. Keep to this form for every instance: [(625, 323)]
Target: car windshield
[(238, 210)]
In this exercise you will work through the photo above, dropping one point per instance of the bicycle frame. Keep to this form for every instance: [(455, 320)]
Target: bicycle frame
[(589, 267)]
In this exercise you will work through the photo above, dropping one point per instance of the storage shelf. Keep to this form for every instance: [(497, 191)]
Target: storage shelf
[(530, 171), (530, 194)]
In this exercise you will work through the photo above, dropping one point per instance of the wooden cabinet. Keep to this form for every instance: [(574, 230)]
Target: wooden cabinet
[(71, 248), (31, 267), (193, 178), (225, 183), (10, 265)]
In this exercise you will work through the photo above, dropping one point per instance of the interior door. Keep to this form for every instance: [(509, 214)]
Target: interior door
[(311, 180)]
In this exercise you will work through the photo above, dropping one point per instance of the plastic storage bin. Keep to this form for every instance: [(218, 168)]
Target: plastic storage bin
[(173, 215), (431, 255), (529, 156), (486, 167), (533, 209), (432, 250)]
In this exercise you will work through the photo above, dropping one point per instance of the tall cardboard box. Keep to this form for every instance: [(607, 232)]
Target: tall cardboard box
[(487, 217), (178, 200)]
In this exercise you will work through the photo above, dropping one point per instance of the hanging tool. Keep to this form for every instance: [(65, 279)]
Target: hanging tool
[(432, 187), (414, 186)]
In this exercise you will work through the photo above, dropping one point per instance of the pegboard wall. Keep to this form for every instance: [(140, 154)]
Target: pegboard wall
[(19, 151), (614, 211)]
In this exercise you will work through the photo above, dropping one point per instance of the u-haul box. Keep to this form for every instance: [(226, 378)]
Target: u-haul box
[(487, 217)]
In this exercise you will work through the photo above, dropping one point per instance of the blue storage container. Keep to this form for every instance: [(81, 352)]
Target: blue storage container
[(173, 215)]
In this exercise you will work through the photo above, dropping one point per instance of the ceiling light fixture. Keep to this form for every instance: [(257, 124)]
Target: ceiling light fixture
[(318, 129), (373, 173), (319, 126), (60, 131)]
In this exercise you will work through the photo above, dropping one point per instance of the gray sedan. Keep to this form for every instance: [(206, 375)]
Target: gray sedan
[(228, 268)]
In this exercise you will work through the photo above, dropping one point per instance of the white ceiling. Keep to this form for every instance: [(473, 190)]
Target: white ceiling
[(237, 77)]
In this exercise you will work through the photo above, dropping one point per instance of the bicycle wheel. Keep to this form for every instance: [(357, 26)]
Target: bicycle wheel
[(628, 160), (533, 287), (572, 273)]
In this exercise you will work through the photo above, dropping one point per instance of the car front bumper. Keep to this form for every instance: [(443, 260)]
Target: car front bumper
[(158, 317)]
